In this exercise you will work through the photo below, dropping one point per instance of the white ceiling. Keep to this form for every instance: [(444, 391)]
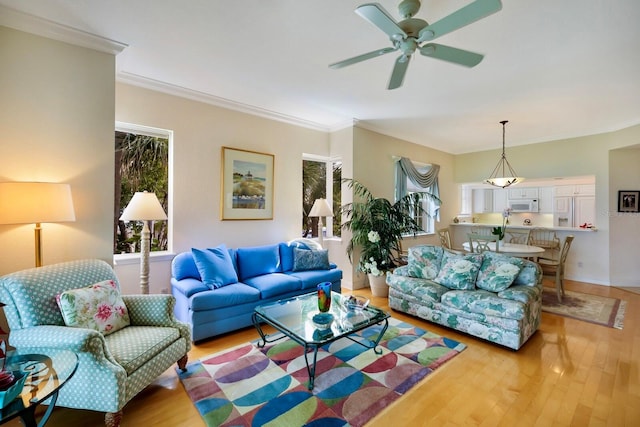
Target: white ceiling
[(554, 69)]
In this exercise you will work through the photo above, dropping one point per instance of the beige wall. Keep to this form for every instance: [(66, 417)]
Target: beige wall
[(374, 166), (624, 237), (56, 125)]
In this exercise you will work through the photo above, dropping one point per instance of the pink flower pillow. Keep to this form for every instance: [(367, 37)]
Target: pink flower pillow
[(98, 307)]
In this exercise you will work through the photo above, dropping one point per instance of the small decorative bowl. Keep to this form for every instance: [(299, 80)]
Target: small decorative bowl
[(8, 394), (356, 303), (322, 320)]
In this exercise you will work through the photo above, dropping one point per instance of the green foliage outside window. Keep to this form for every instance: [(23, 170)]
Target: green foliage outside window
[(141, 164)]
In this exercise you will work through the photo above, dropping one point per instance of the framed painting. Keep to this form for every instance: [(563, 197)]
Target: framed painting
[(628, 201), (247, 185)]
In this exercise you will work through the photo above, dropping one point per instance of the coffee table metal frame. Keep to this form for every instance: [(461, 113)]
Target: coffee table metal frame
[(300, 306)]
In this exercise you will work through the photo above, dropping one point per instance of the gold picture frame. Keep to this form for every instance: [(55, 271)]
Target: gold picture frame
[(247, 185)]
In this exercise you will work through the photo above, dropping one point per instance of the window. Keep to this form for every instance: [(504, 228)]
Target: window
[(424, 217), (141, 164), (428, 176), (316, 184)]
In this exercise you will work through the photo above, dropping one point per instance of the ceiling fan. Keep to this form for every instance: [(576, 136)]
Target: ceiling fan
[(410, 35)]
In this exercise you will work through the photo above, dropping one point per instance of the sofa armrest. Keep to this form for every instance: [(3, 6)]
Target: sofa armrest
[(155, 310), (403, 270), (188, 287), (78, 340)]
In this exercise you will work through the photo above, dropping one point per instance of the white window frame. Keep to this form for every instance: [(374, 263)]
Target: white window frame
[(428, 204), (123, 259), (329, 162)]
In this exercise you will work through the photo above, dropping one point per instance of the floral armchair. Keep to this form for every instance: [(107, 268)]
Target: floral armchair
[(113, 367)]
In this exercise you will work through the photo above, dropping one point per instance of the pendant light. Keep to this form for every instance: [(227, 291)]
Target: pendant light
[(503, 174)]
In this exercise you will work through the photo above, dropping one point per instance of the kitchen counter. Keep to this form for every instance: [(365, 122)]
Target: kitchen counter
[(478, 224)]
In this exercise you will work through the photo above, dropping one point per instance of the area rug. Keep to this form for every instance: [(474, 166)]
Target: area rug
[(251, 386), (589, 308)]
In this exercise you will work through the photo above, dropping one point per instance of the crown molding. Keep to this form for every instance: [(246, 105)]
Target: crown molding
[(194, 95), (33, 24)]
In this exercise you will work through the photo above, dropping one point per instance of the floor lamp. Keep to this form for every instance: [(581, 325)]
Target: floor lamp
[(35, 203), (144, 207), (319, 209)]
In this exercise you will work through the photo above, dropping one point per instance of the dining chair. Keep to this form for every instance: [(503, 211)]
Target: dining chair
[(445, 238), (479, 243), (546, 239), (517, 235), (554, 269)]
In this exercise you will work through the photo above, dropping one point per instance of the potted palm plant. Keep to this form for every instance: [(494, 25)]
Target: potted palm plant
[(377, 227)]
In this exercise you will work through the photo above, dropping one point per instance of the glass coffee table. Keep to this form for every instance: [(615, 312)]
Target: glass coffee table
[(299, 319), (44, 375)]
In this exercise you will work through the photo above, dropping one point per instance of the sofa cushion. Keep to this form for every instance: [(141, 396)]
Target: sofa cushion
[(99, 307), (227, 296), (306, 259), (286, 253), (530, 274), (311, 278), (525, 294), (485, 303), (498, 271), (271, 285), (215, 266), (134, 346), (257, 260), (425, 290), (424, 261), (459, 271)]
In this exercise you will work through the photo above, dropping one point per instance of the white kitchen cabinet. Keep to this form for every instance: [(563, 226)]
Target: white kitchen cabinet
[(482, 201), (545, 199), (576, 190), (523, 193), (585, 210), (563, 211), (500, 200)]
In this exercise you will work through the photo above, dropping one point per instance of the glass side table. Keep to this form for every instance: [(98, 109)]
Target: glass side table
[(45, 375)]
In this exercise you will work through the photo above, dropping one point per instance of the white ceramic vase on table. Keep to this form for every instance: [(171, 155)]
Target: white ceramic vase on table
[(378, 284)]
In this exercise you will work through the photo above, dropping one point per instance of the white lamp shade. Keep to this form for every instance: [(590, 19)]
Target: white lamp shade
[(35, 202), (321, 207), (143, 206)]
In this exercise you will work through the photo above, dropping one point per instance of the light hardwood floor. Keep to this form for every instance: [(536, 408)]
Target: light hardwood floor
[(570, 373)]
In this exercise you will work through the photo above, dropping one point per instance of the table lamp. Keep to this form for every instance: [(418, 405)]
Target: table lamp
[(319, 209), (144, 207), (35, 202)]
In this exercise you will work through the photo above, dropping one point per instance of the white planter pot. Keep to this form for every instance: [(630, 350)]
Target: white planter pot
[(378, 284)]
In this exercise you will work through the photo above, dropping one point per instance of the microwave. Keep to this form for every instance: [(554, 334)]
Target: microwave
[(525, 205)]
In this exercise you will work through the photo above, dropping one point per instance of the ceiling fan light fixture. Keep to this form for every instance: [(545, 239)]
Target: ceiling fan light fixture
[(503, 175)]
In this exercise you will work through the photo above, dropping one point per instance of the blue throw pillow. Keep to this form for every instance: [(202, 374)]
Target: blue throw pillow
[(305, 259), (215, 266)]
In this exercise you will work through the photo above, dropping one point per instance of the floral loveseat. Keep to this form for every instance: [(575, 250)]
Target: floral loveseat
[(490, 295)]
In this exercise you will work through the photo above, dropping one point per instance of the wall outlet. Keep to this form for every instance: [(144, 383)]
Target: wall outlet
[(164, 291), (580, 264)]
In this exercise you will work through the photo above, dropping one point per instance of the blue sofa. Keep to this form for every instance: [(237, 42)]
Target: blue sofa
[(217, 289)]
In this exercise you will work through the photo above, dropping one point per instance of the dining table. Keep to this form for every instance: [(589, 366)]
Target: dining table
[(514, 249)]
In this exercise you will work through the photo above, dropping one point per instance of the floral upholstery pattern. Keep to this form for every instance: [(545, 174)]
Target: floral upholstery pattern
[(498, 271), (424, 261), (111, 369), (508, 317), (459, 271), (98, 307)]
